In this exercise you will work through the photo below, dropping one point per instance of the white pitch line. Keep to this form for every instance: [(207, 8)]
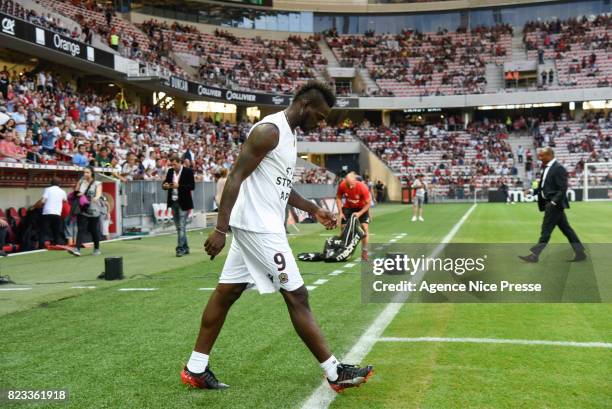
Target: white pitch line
[(16, 289), (392, 240), (323, 396), (501, 341), (86, 287), (311, 287), (336, 272), (320, 281), (26, 252), (138, 289), (349, 265), (206, 289)]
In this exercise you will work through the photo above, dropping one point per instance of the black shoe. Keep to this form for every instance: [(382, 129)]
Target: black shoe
[(186, 251), (578, 257), (350, 376), (532, 258), (180, 253), (204, 380)]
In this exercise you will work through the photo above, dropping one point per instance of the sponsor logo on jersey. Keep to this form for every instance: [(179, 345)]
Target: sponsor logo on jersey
[(283, 278)]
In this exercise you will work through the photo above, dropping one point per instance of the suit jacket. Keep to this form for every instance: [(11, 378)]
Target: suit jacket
[(186, 185), (554, 188)]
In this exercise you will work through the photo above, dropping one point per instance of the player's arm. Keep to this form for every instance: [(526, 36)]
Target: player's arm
[(325, 217), (368, 201), (339, 202), (262, 140)]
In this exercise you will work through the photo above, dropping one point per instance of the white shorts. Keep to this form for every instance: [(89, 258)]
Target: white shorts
[(263, 259)]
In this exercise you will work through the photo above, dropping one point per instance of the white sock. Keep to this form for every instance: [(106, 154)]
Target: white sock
[(331, 368), (197, 362)]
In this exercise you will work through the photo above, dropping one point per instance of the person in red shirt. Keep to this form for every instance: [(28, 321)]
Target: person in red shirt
[(357, 201)]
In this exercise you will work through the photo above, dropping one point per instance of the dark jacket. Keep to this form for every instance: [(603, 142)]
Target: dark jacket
[(555, 187), (186, 185)]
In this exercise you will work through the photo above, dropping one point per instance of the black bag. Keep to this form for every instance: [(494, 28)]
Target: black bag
[(339, 248)]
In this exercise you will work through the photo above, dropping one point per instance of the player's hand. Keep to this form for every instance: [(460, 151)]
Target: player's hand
[(214, 243), (326, 218), (3, 223)]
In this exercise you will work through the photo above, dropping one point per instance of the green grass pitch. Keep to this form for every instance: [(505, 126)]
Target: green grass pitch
[(115, 349)]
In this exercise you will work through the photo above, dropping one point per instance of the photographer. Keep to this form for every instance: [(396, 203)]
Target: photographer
[(87, 194)]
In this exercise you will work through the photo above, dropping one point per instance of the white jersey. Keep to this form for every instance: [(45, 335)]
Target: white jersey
[(260, 206)]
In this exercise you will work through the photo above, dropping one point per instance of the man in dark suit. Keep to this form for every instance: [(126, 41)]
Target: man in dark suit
[(179, 183), (552, 200)]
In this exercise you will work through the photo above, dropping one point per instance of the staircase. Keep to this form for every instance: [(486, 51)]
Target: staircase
[(328, 54), (519, 52), (526, 141), (190, 70), (321, 76), (494, 74), (369, 84)]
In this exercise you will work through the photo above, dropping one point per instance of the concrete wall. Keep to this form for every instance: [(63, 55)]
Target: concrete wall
[(364, 6), (19, 197), (474, 100), (328, 147), (376, 169), (136, 17)]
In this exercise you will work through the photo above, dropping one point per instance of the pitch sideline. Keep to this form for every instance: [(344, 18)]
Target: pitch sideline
[(323, 396)]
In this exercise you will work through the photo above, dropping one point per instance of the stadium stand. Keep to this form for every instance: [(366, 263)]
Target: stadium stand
[(577, 143), (136, 145), (47, 21), (131, 42), (415, 64), (478, 156), (327, 134), (579, 48), (243, 63)]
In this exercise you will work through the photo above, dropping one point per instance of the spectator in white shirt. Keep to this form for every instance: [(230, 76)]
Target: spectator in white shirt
[(52, 202), (42, 81)]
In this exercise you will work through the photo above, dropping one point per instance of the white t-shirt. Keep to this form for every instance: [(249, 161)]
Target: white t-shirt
[(263, 196), (420, 187), (53, 197)]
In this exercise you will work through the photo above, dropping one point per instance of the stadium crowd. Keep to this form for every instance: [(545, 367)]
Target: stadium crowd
[(44, 120), (242, 63), (580, 49), (47, 21), (119, 34), (440, 63), (407, 64)]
